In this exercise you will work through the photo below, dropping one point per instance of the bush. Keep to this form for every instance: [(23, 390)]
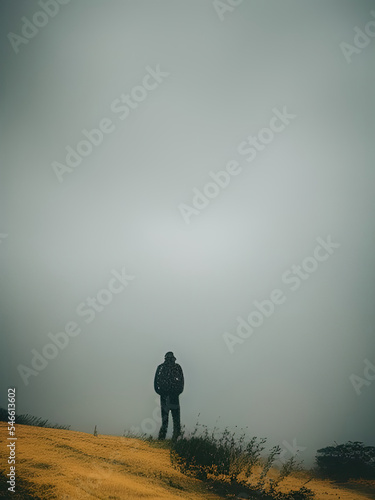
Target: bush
[(27, 419), (344, 461), (231, 462)]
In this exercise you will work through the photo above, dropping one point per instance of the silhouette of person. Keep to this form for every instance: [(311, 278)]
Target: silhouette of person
[(169, 384)]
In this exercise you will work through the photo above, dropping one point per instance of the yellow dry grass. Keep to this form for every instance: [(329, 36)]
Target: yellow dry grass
[(81, 466), (75, 465)]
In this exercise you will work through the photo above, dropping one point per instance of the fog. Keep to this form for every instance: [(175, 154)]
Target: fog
[(181, 255)]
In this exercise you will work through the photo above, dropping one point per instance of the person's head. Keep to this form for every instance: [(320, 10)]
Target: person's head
[(169, 358)]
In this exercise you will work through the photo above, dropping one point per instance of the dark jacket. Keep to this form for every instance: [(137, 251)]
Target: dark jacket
[(169, 379)]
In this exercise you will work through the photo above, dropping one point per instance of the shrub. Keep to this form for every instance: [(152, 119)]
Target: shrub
[(230, 461), (27, 419), (344, 461)]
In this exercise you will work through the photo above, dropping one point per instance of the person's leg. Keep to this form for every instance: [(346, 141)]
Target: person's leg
[(176, 416), (176, 423), (164, 417)]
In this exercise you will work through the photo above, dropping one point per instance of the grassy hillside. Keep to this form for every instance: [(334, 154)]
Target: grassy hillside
[(62, 464)]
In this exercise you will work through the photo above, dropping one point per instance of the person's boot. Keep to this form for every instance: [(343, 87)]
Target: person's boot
[(176, 433), (162, 433)]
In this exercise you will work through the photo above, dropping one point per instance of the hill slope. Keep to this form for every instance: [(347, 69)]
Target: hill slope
[(66, 465), (75, 465)]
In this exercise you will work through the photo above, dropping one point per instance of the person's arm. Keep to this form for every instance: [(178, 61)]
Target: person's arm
[(156, 386), (182, 380)]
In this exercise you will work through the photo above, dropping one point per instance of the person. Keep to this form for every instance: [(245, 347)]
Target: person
[(169, 384)]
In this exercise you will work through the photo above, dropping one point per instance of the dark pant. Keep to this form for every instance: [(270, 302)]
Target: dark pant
[(172, 403)]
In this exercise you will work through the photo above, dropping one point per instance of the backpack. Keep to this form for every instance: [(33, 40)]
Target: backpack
[(169, 379)]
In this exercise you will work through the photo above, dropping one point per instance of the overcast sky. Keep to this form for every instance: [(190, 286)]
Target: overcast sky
[(266, 91)]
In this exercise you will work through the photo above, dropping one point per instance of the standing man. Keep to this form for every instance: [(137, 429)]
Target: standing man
[(169, 383)]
